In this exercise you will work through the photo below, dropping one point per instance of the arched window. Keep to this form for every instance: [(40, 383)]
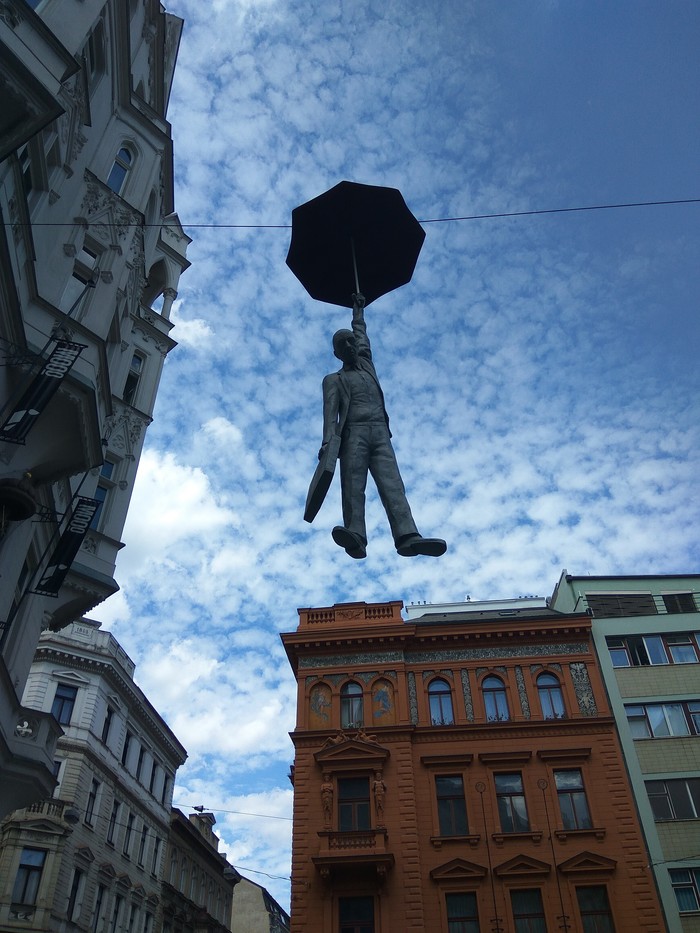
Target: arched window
[(351, 715), (440, 698), (551, 697), (495, 699), (120, 169)]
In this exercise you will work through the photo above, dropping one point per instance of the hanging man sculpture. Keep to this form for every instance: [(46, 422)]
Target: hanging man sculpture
[(354, 413)]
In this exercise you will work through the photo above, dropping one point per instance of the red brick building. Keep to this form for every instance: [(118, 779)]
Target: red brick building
[(460, 772)]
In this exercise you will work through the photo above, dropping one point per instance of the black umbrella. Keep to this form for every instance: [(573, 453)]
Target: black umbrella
[(354, 238)]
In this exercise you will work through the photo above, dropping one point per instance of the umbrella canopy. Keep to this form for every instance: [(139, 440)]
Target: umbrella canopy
[(354, 238)]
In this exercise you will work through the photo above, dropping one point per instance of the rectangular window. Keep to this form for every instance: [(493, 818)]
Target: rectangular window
[(142, 843), (156, 857), (679, 602), (26, 886), (116, 911), (353, 804), (133, 378), (663, 720), (133, 919), (686, 887), (139, 763), (85, 275), (127, 835), (113, 821), (677, 799), (594, 907), (125, 750), (76, 890), (528, 911), (356, 914), (642, 650), (63, 703), (147, 923), (573, 804), (462, 916), (167, 782), (99, 902), (105, 485), (512, 809), (154, 772), (106, 725), (452, 807), (91, 802)]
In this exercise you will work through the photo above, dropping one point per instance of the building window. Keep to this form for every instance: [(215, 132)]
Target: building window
[(594, 907), (148, 923), (105, 484), (63, 703), (142, 843), (76, 890), (351, 712), (113, 821), (139, 763), (663, 720), (156, 857), (495, 699), (167, 784), (26, 886), (620, 605), (92, 802), (127, 835), (462, 916), (120, 169), (356, 914), (116, 911), (551, 697), (452, 807), (97, 913), (686, 887), (353, 804), (125, 749), (512, 809), (440, 699), (573, 804), (94, 53), (528, 911), (84, 276), (154, 773), (643, 650), (677, 799), (133, 918), (133, 379), (107, 724), (679, 602)]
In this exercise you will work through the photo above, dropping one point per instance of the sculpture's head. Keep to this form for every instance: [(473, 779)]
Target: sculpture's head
[(345, 346)]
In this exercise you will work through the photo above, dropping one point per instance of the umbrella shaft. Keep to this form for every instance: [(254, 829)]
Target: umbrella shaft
[(354, 266)]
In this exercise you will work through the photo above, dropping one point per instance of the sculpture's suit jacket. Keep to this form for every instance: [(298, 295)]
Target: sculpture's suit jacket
[(336, 390)]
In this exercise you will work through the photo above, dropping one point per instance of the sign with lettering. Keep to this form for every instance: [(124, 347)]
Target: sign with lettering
[(42, 389), (67, 547)]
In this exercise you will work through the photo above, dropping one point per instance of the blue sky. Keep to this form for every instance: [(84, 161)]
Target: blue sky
[(540, 371)]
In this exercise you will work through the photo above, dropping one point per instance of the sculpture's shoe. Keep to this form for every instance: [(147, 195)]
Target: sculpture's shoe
[(353, 544), (416, 544)]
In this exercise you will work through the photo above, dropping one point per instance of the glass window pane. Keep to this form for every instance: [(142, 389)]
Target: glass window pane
[(677, 722), (655, 649)]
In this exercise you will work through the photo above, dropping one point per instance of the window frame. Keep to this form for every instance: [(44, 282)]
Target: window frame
[(523, 918), (692, 882), (121, 169), (603, 912), (497, 696), (639, 715), (354, 812), (549, 691), (507, 811), (351, 704), (457, 920), (440, 705), (654, 645), (363, 905), (577, 813), (672, 794), (92, 802), (60, 704), (451, 807), (25, 888)]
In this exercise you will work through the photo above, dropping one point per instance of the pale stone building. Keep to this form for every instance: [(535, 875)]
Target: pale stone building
[(91, 857), (91, 253)]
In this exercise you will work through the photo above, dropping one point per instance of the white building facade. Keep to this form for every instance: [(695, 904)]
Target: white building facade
[(91, 253), (91, 857)]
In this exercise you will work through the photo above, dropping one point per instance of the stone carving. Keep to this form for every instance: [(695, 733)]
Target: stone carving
[(467, 691), (379, 792), (327, 800), (583, 689), (522, 691), (412, 697)]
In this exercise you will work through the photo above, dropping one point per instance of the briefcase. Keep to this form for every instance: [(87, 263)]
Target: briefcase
[(322, 479)]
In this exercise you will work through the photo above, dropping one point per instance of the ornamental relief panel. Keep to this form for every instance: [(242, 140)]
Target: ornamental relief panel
[(412, 698), (583, 689), (350, 660), (467, 691), (455, 655), (522, 691)]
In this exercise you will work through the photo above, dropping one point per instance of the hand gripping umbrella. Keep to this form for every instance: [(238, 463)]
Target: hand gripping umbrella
[(354, 239)]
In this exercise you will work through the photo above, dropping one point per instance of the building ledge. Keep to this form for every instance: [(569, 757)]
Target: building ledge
[(439, 841), (500, 838), (564, 834)]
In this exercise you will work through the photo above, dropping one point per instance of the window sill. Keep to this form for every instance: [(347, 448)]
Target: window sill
[(499, 838), (563, 834), (439, 841)]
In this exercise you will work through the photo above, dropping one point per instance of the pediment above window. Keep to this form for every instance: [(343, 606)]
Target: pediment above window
[(588, 862), (458, 869), (349, 754), (107, 872), (85, 855), (522, 866), (70, 677)]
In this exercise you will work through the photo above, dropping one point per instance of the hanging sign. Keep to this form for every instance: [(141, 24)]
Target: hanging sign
[(67, 547), (42, 389)]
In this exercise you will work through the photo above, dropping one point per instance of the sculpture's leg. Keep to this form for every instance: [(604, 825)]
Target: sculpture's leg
[(385, 472), (354, 464)]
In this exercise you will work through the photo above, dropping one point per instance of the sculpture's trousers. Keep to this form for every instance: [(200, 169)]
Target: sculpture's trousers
[(367, 448)]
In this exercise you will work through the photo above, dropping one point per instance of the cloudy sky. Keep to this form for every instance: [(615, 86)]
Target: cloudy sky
[(541, 371)]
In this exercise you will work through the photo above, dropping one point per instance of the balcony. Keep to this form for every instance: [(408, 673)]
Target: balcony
[(360, 852)]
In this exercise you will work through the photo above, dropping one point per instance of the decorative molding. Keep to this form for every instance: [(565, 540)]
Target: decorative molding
[(467, 692), (583, 689), (412, 697), (522, 692)]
